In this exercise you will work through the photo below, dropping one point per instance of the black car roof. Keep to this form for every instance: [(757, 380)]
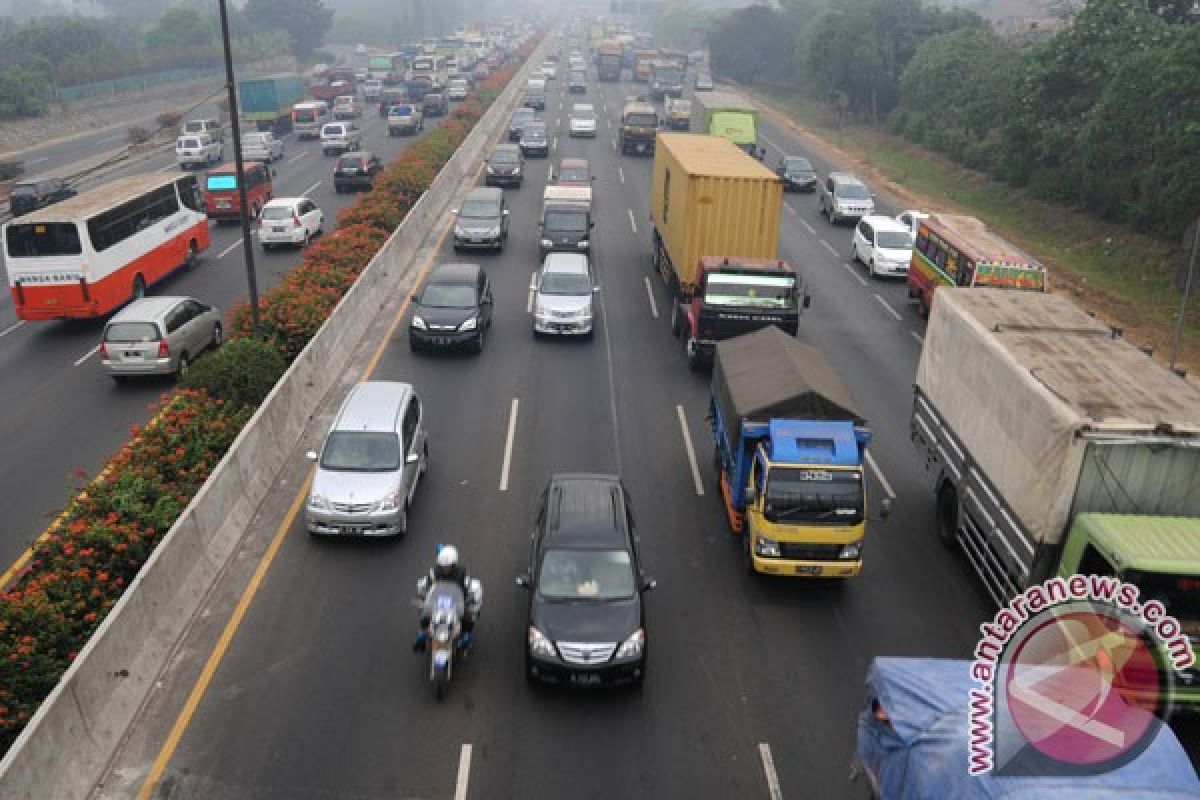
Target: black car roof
[(455, 273), (585, 510)]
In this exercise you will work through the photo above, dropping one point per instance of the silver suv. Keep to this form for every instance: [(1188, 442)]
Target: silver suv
[(843, 196), (369, 466)]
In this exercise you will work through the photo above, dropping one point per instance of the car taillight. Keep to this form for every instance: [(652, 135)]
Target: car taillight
[(163, 350), (296, 219), (103, 350)]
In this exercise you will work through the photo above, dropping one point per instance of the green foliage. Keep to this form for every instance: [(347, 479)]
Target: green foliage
[(20, 91), (749, 45), (241, 372), (11, 169), (682, 24), (182, 27), (306, 21)]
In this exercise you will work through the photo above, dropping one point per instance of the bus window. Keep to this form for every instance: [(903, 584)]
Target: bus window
[(116, 225), (31, 240)]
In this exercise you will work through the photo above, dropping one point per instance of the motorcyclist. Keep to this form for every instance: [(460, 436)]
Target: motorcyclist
[(446, 569)]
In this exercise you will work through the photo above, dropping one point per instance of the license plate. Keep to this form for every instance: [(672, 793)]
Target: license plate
[(562, 328), (808, 569), (349, 530), (641, 148), (278, 229), (476, 240), (132, 354), (585, 678), (224, 204)]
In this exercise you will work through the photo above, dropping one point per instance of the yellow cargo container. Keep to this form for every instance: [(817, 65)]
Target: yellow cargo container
[(709, 198)]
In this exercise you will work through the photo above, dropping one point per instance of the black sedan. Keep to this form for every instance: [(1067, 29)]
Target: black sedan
[(453, 310), (797, 174), (587, 624), (534, 141)]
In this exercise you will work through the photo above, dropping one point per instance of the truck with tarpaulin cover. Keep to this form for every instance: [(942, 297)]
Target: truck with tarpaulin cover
[(608, 61), (641, 64), (728, 115), (790, 456), (1055, 447), (666, 79), (267, 102)]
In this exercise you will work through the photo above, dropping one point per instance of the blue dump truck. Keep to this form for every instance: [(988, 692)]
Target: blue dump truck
[(267, 102), (790, 450)]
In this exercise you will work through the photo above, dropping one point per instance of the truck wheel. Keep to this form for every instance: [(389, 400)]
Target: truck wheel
[(947, 515), (694, 360), (676, 324)]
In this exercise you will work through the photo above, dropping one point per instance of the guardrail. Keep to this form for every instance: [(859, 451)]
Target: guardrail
[(65, 748)]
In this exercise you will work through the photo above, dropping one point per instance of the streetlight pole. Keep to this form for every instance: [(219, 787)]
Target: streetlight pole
[(236, 130), (1177, 338)]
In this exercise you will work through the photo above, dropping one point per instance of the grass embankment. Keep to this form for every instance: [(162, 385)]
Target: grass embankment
[(1127, 278)]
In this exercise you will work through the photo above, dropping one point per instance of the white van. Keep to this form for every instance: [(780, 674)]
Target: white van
[(309, 118), (198, 150)]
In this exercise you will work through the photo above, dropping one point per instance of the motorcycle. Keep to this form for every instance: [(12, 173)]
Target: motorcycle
[(444, 606)]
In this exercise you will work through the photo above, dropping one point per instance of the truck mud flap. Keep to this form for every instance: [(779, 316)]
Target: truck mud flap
[(737, 520)]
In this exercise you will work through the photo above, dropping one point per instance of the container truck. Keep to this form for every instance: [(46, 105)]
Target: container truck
[(334, 83), (716, 214), (729, 115), (666, 79), (641, 64), (267, 102), (790, 451), (1055, 447), (608, 61)]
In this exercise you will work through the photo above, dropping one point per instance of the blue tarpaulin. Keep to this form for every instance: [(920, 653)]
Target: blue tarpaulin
[(920, 753)]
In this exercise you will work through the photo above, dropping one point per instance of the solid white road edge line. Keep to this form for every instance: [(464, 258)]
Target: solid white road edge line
[(12, 328), (808, 227), (920, 339), (887, 487), (87, 355), (294, 159), (790, 210), (230, 249), (691, 451), (771, 144), (508, 444), (632, 224), (829, 247), (890, 310), (768, 763), (650, 294), (309, 189), (464, 773)]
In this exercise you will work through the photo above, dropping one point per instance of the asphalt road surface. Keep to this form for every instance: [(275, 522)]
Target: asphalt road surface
[(753, 683)]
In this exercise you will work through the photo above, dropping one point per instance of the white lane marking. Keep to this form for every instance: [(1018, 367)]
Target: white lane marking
[(508, 445), (691, 451), (854, 273), (294, 159), (12, 328), (87, 355), (33, 161), (614, 144), (532, 289), (887, 487), (621, 174), (230, 249), (764, 752), (612, 385), (790, 210), (650, 294), (829, 247), (464, 772), (808, 227), (770, 143), (111, 138), (554, 144), (167, 167), (920, 339), (609, 121), (889, 309), (309, 189), (632, 224)]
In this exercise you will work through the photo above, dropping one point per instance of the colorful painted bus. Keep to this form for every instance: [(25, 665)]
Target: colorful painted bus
[(957, 250), (91, 254)]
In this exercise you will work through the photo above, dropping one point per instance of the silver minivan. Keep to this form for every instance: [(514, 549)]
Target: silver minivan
[(370, 463), (158, 336)]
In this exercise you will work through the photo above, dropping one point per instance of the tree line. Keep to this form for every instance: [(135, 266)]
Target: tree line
[(1102, 113)]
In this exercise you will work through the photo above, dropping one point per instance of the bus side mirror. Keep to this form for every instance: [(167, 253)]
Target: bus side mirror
[(807, 300)]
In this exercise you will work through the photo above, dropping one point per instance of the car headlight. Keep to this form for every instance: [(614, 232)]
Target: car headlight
[(418, 323), (318, 501), (851, 551), (469, 325), (632, 647), (389, 502), (547, 243), (582, 244), (767, 548), (459, 231), (494, 231), (490, 171), (516, 170), (539, 645)]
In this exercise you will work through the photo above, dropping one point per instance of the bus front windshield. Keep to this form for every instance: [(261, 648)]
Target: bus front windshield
[(824, 496), (749, 291)]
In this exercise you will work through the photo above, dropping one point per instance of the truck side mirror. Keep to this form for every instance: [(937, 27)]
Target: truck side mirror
[(523, 581), (885, 508)]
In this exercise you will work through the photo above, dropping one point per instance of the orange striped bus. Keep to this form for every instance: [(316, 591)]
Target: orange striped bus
[(91, 254)]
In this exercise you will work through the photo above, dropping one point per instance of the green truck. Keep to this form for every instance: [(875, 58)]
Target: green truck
[(268, 101), (728, 115), (1057, 448)]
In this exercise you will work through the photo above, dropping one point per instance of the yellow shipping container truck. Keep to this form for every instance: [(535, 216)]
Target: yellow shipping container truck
[(716, 214)]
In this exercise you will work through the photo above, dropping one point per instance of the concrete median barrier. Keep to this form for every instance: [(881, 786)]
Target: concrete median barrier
[(66, 747)]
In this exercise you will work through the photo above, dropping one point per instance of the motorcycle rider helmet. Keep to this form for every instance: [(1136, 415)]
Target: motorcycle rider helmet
[(447, 562)]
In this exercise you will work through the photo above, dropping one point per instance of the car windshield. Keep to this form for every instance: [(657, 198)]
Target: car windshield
[(797, 165), (131, 332), (478, 209), (253, 139), (23, 190), (757, 291), (894, 240), (814, 495), (361, 451), (575, 221), (1179, 593), (305, 114), (853, 190), (351, 163), (504, 157), (586, 575), (642, 120), (401, 111), (277, 212), (574, 175), (448, 295), (189, 143), (565, 283), (533, 131), (522, 116)]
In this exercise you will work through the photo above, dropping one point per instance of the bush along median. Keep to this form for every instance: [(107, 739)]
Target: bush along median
[(79, 567)]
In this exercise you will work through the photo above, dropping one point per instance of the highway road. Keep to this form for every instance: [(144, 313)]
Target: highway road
[(63, 413), (753, 683)]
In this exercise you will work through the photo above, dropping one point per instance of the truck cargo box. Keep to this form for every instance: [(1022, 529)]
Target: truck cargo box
[(269, 97), (769, 375), (1060, 413), (708, 198)]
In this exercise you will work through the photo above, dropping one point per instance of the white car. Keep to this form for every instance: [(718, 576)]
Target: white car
[(911, 220), (261, 146), (289, 221), (372, 88), (339, 137), (562, 295), (549, 71), (346, 107), (197, 150), (583, 120), (883, 244), (457, 89)]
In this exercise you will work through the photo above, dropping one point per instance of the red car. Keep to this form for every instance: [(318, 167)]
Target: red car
[(221, 200)]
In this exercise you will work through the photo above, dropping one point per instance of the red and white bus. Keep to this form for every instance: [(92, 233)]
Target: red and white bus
[(91, 254)]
